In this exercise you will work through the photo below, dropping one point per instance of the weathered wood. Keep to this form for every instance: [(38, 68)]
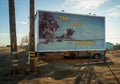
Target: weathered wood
[(13, 39), (32, 39)]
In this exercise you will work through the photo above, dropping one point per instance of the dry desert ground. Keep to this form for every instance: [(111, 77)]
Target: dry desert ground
[(52, 68)]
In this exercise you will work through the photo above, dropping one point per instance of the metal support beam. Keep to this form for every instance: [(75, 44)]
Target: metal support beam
[(31, 36), (13, 40)]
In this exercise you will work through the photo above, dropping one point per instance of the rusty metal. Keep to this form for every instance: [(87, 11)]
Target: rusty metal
[(116, 78)]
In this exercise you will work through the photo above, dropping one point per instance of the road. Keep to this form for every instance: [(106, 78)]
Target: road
[(4, 51), (5, 65), (4, 55)]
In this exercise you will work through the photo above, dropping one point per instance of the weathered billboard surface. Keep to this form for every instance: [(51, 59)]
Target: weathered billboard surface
[(56, 31)]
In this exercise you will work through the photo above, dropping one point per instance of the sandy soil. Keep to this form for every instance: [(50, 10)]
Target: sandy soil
[(54, 69)]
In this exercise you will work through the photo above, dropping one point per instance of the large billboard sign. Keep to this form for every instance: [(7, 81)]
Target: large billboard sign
[(55, 31)]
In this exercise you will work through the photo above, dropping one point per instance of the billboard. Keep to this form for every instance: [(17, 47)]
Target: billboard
[(55, 31)]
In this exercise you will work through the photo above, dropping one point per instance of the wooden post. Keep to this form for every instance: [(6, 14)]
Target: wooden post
[(13, 40), (32, 37)]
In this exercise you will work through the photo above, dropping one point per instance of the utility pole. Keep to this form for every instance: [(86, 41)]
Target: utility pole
[(14, 55), (32, 37)]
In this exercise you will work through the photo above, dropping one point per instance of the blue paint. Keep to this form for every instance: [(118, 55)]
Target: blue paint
[(89, 36)]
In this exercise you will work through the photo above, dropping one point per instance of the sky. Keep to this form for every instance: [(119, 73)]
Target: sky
[(107, 8)]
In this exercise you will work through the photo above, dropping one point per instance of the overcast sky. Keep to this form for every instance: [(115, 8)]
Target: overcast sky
[(108, 8)]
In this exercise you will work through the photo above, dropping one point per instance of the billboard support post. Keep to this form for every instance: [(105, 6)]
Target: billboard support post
[(14, 55), (31, 37)]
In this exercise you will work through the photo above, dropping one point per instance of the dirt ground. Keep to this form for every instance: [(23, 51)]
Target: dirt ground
[(52, 68)]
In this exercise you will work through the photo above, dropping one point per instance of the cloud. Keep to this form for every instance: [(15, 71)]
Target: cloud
[(81, 5), (114, 12), (24, 23), (4, 35), (5, 38)]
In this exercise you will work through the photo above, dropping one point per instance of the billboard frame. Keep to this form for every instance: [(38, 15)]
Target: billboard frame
[(37, 16)]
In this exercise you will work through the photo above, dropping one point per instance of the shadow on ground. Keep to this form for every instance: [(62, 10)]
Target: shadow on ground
[(50, 70)]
